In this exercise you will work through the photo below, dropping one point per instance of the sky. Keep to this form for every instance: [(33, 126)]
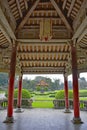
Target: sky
[(54, 76)]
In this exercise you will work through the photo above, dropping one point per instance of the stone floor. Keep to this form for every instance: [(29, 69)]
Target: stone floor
[(42, 119)]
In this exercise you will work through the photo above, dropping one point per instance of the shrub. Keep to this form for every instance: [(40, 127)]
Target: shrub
[(70, 93), (46, 89), (25, 93), (61, 95), (38, 88)]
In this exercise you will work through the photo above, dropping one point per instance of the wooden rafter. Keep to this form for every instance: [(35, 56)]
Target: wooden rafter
[(28, 15), (61, 15), (6, 25), (82, 35), (41, 53), (71, 7), (80, 28), (64, 4), (80, 15), (44, 61), (26, 5), (19, 9), (5, 33)]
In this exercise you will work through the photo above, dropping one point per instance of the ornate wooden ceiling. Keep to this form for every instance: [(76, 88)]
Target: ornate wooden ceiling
[(20, 23)]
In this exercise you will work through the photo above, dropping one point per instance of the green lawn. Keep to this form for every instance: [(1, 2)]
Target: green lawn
[(42, 101), (42, 104), (42, 97)]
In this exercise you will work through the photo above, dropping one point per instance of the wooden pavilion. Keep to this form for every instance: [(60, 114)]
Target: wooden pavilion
[(43, 37), (42, 84)]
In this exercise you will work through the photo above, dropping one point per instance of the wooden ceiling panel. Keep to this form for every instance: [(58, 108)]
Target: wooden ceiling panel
[(38, 55)]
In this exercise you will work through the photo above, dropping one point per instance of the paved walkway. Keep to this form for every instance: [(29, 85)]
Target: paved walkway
[(42, 119)]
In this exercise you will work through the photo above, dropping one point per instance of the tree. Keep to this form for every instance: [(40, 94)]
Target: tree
[(82, 83)]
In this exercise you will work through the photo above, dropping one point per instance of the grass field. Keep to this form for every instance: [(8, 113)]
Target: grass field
[(42, 104), (42, 101)]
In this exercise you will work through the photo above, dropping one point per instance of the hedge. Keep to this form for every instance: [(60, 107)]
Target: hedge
[(61, 94)]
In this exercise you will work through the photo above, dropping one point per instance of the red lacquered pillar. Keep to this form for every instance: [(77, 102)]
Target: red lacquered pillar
[(19, 92), (67, 110), (76, 118), (19, 95), (9, 118)]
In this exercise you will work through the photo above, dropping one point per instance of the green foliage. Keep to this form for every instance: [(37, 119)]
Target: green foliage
[(70, 93), (3, 80), (25, 93), (45, 88), (31, 84), (60, 94), (81, 105), (52, 95), (38, 88), (83, 93)]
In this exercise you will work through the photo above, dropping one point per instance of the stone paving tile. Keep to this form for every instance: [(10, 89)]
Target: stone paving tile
[(42, 119)]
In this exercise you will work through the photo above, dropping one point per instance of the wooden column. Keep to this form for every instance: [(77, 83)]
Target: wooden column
[(19, 95), (67, 110), (19, 92), (76, 118), (9, 118)]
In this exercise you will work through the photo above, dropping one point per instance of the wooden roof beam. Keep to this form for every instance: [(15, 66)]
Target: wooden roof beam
[(19, 9), (41, 68), (80, 29), (44, 72), (71, 7), (79, 23), (64, 4), (39, 41), (28, 15), (26, 5), (61, 15), (6, 70), (6, 25)]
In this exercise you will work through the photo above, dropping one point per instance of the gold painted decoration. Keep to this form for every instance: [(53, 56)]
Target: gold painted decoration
[(45, 29)]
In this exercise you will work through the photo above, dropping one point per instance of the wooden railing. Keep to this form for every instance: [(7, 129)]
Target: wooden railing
[(59, 104), (26, 103)]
